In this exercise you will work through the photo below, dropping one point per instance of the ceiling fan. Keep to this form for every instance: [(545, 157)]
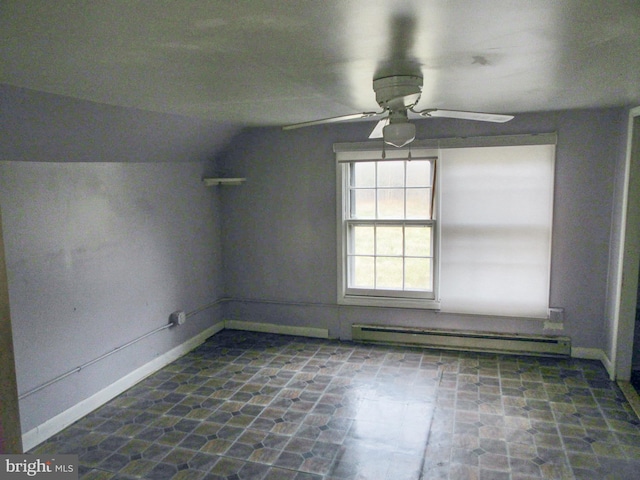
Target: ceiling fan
[(397, 95)]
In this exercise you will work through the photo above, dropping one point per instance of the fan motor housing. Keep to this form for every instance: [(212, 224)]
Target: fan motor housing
[(398, 91)]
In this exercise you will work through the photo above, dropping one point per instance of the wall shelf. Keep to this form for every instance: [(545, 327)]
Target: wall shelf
[(210, 182)]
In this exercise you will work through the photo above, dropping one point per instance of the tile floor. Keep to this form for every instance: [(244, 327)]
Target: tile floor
[(268, 407)]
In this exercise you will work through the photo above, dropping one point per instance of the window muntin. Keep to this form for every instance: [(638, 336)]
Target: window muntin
[(389, 228)]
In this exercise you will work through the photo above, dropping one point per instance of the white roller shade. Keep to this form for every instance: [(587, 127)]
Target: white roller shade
[(495, 219)]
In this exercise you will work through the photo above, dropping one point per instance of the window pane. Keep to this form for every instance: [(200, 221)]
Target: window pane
[(391, 203), (418, 241), (419, 203), (417, 274), (362, 240), (389, 240), (363, 174), (362, 274), (418, 173), (389, 273), (391, 174), (363, 203)]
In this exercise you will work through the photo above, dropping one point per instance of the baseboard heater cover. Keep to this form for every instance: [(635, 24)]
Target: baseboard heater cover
[(545, 345)]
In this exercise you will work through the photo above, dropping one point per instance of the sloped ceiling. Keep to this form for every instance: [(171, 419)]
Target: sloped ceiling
[(273, 62)]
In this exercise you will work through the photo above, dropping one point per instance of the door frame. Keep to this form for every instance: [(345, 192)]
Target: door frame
[(10, 431), (628, 255)]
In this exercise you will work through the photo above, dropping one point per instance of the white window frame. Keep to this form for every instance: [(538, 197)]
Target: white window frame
[(382, 297)]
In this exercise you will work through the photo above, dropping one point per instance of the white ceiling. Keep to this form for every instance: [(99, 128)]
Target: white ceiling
[(272, 62)]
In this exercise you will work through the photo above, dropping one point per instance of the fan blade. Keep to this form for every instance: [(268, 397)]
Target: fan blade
[(341, 118), (478, 116), (377, 130)]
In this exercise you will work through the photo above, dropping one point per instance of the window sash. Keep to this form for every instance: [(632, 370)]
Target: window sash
[(406, 287), (415, 196)]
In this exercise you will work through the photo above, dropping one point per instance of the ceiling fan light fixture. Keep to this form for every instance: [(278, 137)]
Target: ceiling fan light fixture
[(397, 94), (399, 134)]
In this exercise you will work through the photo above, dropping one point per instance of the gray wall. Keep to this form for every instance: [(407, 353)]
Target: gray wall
[(279, 233), (101, 249), (97, 255)]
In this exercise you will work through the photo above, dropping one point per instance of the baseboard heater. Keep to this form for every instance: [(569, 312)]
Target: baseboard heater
[(544, 345)]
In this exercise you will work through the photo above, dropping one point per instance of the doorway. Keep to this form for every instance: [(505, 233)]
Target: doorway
[(628, 276)]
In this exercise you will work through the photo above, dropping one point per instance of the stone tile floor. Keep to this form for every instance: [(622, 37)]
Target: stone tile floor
[(269, 407)]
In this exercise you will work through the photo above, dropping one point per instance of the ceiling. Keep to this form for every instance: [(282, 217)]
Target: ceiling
[(273, 62)]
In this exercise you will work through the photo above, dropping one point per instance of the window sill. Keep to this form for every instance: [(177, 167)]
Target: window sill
[(389, 302)]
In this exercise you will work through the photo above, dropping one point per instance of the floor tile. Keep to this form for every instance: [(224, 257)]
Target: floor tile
[(265, 407)]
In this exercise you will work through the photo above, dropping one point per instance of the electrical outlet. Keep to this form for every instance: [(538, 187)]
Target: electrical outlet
[(556, 314), (178, 318), (556, 319)]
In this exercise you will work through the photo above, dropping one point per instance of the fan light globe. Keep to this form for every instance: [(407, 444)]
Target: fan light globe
[(399, 134)]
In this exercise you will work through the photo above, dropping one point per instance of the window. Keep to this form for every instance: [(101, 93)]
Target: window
[(473, 239), (388, 230)]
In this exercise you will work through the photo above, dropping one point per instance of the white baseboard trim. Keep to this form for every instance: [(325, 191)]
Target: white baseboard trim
[(279, 329), (61, 421), (594, 354)]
